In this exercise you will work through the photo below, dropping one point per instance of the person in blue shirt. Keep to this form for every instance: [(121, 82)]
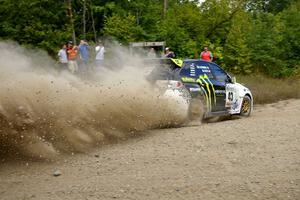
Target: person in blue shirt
[(84, 55)]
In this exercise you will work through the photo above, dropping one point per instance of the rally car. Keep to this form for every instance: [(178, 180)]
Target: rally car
[(204, 87)]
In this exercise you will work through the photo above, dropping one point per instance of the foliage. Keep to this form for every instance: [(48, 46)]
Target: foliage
[(237, 53), (42, 24), (122, 29), (271, 6), (274, 42), (245, 36)]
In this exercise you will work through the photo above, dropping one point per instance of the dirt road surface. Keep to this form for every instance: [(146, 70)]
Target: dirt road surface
[(252, 158)]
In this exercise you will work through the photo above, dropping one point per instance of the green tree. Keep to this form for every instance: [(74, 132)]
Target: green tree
[(237, 53), (263, 42), (216, 16), (41, 24), (272, 6), (123, 29), (290, 34), (274, 42), (244, 35), (179, 30)]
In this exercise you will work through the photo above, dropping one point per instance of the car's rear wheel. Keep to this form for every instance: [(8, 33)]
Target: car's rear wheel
[(196, 109), (246, 107)]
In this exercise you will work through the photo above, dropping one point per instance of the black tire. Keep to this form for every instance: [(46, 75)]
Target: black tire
[(246, 108), (196, 109)]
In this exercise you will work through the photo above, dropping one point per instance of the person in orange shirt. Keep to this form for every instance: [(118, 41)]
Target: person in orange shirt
[(72, 52), (206, 55)]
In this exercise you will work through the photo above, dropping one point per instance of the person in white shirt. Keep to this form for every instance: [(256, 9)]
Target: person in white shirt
[(99, 59), (63, 59)]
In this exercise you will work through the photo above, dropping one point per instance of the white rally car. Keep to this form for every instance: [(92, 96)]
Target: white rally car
[(202, 88)]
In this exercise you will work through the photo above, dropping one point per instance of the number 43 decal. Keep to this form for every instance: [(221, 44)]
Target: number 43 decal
[(230, 96)]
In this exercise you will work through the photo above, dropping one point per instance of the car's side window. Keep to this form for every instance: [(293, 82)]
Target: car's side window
[(195, 69), (218, 73)]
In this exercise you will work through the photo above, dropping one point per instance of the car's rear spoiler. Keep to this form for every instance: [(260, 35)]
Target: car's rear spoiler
[(175, 63)]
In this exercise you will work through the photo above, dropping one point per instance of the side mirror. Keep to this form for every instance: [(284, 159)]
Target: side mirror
[(230, 79)]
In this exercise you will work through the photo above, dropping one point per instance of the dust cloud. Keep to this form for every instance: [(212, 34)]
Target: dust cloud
[(45, 112)]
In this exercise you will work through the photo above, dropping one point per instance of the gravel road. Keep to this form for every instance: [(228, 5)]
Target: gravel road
[(252, 158)]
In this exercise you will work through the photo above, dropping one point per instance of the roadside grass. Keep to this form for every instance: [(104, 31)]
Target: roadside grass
[(270, 90)]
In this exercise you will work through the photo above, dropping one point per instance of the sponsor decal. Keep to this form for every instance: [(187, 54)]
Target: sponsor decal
[(205, 81), (212, 86), (206, 71), (188, 79), (220, 92), (235, 104), (204, 92), (192, 70), (202, 67), (195, 89), (178, 62), (228, 104)]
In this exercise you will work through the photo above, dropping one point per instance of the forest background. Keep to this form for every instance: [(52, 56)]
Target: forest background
[(245, 36)]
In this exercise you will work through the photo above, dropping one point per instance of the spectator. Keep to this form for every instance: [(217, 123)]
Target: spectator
[(69, 47), (84, 55), (169, 53), (63, 59), (72, 56), (206, 55), (99, 59)]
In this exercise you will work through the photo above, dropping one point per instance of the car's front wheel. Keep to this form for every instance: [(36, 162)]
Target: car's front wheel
[(246, 107)]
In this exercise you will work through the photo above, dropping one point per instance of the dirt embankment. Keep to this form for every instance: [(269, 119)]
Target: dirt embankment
[(252, 158)]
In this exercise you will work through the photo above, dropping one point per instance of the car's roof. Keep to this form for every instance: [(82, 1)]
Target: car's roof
[(191, 60), (188, 59), (173, 62)]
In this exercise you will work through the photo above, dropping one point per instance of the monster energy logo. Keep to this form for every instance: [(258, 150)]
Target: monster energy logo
[(177, 62), (207, 86)]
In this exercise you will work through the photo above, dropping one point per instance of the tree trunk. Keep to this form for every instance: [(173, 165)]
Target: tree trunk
[(93, 22), (84, 20), (165, 8), (71, 21)]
